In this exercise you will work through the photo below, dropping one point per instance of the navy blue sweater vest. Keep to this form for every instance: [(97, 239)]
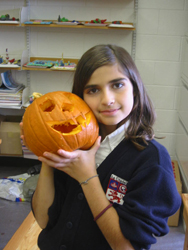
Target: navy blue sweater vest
[(151, 197)]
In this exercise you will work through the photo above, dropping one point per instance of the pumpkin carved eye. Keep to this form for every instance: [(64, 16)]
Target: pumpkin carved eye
[(67, 107), (59, 120), (47, 106)]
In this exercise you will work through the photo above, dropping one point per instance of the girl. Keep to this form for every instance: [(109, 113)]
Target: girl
[(120, 193)]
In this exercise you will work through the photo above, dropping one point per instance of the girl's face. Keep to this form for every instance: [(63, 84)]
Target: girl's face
[(109, 93)]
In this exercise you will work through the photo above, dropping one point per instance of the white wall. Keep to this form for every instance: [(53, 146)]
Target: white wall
[(160, 28)]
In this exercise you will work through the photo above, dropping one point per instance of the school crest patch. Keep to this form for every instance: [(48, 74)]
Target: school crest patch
[(116, 190)]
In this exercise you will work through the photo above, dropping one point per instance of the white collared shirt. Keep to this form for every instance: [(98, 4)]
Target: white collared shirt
[(109, 143)]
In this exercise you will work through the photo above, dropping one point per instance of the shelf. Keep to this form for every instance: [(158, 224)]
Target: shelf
[(17, 161), (50, 59), (80, 26), (9, 24), (22, 14), (9, 68)]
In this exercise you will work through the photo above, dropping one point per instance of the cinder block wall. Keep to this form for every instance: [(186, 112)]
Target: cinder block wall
[(160, 27)]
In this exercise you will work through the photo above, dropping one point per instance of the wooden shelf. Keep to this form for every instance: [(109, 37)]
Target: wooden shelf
[(9, 68), (10, 24), (79, 26)]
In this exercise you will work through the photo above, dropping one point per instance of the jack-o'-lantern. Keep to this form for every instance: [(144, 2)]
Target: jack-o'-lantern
[(59, 120)]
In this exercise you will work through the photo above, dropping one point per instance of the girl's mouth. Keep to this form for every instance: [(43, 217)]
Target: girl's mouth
[(109, 111)]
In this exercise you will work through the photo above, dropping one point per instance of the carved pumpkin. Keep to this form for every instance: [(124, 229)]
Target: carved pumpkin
[(59, 120)]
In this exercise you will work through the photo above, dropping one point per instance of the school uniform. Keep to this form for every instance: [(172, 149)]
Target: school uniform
[(141, 186)]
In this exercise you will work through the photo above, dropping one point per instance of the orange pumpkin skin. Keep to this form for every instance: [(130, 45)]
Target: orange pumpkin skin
[(59, 120)]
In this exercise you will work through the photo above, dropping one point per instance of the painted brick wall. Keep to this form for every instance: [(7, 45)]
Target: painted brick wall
[(161, 24)]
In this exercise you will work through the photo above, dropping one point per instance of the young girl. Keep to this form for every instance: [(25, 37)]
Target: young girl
[(120, 193)]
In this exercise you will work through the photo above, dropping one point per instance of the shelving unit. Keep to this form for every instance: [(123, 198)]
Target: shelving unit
[(24, 14), (41, 42)]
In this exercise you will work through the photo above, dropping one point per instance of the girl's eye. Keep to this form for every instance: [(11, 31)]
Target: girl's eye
[(92, 91), (117, 85)]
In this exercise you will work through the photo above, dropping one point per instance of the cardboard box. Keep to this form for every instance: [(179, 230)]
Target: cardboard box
[(174, 219), (10, 136)]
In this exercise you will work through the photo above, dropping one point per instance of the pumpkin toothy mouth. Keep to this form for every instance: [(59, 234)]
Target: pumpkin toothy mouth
[(66, 128), (71, 126)]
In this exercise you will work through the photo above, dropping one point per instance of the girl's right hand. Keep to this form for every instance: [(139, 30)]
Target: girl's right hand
[(79, 164)]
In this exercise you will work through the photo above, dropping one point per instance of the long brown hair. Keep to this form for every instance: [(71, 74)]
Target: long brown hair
[(142, 116)]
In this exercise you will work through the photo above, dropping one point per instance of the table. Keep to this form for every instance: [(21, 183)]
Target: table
[(185, 216), (25, 238)]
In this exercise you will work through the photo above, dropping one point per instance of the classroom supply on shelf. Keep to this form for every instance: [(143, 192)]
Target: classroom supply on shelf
[(38, 22), (54, 65), (6, 18), (34, 96), (40, 64), (10, 91)]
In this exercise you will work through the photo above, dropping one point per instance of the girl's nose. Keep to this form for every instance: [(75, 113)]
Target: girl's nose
[(111, 102), (108, 99)]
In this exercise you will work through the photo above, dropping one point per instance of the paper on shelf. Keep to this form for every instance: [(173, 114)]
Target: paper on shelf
[(121, 25)]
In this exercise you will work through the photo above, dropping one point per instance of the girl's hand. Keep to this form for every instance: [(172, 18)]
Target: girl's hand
[(79, 164)]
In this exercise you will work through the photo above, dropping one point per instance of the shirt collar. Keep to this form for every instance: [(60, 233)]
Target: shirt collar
[(110, 142), (114, 138)]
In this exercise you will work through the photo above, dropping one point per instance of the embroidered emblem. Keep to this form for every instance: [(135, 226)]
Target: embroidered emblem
[(116, 190)]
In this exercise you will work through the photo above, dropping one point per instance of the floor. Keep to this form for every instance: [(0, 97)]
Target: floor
[(13, 213)]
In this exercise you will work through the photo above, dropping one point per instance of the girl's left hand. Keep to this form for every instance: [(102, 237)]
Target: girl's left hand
[(22, 135), (79, 164)]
